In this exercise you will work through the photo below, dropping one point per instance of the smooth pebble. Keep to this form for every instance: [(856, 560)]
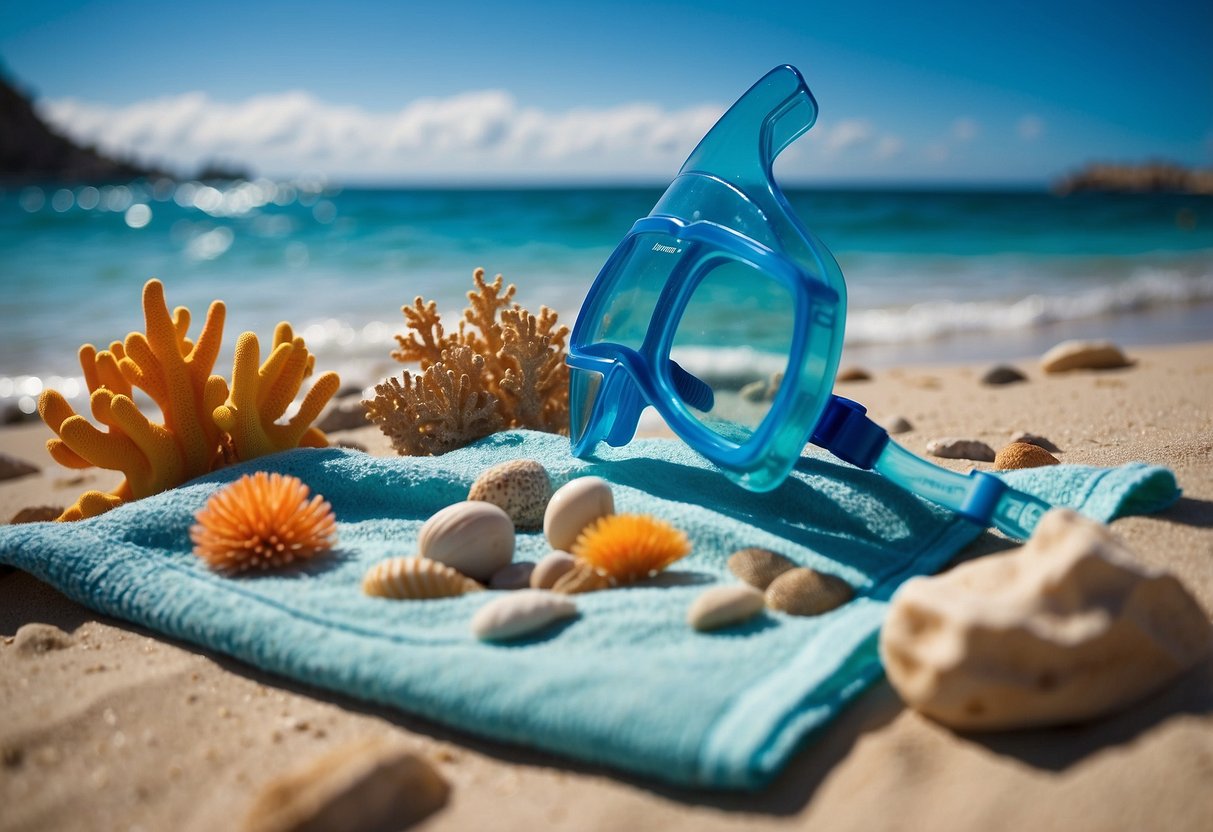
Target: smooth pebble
[(757, 566), (804, 591), (900, 424), (551, 568), (519, 614), (515, 576), (574, 506), (1083, 355), (1002, 374), (722, 606), (961, 449)]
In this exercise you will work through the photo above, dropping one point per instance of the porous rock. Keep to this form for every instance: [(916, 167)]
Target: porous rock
[(1002, 374), (1083, 355), (757, 566), (519, 614), (1033, 439), (950, 448), (804, 591), (723, 606), (372, 784), (520, 487), (35, 639), (551, 568), (1066, 628), (11, 467), (1022, 455)]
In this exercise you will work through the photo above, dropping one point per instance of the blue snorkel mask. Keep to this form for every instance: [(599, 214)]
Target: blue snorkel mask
[(673, 321)]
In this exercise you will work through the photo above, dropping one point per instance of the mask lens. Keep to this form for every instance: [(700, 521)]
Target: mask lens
[(734, 337), (583, 393), (633, 289)]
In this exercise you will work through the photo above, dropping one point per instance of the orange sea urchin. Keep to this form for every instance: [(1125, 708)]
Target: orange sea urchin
[(261, 521), (628, 547)]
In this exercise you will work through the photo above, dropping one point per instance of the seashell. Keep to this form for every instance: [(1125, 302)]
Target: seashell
[(514, 576), (853, 374), (1039, 441), (260, 521), (1022, 455), (900, 424), (416, 578), (373, 783), (551, 568), (722, 606), (1065, 628), (36, 514), (520, 487), (961, 449), (1083, 355), (1002, 374), (804, 591), (581, 578), (475, 537), (574, 506), (628, 547), (520, 613), (758, 567)]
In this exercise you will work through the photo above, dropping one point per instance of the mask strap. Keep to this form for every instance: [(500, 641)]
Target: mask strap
[(845, 431)]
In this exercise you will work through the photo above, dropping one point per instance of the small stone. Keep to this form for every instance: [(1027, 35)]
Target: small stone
[(722, 606), (575, 505), (1022, 455), (35, 639), (757, 566), (804, 591), (520, 487), (900, 424), (551, 569), (36, 514), (853, 374), (1033, 439), (1002, 374), (11, 467), (579, 579), (1083, 355), (961, 449), (372, 784), (515, 576), (519, 614)]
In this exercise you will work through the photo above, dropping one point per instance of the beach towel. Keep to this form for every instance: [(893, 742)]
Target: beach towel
[(627, 683)]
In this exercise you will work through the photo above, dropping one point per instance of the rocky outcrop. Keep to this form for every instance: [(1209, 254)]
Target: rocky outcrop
[(1151, 177)]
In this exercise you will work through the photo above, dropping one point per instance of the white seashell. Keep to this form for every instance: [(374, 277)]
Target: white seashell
[(551, 569), (722, 606), (513, 576), (1066, 628), (415, 578), (521, 487), (961, 449), (475, 537), (519, 614), (574, 506)]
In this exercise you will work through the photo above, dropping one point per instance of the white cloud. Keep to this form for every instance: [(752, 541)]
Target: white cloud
[(888, 147), (965, 129), (1030, 127), (475, 134), (845, 134)]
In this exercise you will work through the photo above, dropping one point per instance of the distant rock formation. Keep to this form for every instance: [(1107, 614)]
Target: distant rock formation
[(31, 151), (1151, 177)]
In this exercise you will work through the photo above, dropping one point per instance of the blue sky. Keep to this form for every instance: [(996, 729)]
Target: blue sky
[(378, 91)]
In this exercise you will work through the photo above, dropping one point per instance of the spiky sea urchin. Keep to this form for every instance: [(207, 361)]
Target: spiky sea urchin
[(628, 547), (262, 521)]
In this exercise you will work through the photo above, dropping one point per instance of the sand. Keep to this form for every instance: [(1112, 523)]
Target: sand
[(123, 729)]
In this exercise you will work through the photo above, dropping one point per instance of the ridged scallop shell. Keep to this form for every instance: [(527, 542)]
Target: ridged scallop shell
[(804, 591), (581, 578), (520, 487), (575, 505), (476, 538), (520, 613), (722, 606), (758, 567), (416, 578)]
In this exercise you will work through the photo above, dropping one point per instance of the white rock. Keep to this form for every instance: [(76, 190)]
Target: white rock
[(520, 613), (574, 506), (1066, 628), (1083, 355), (961, 449), (722, 606), (474, 537)]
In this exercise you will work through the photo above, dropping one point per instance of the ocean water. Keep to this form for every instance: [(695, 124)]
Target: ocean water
[(932, 276)]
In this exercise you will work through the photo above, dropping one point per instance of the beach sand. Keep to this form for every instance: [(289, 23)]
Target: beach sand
[(124, 729)]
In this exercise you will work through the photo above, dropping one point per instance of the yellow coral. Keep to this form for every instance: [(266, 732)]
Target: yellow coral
[(519, 378), (176, 373)]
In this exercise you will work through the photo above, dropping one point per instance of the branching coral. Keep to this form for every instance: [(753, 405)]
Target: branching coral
[(175, 373), (504, 368)]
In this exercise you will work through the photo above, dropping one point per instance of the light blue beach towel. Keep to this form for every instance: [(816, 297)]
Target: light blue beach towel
[(627, 684)]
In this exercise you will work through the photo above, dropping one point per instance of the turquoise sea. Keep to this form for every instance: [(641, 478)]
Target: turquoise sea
[(932, 275)]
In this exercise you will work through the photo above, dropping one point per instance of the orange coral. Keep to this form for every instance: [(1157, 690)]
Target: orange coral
[(176, 373), (628, 547), (519, 380), (261, 521)]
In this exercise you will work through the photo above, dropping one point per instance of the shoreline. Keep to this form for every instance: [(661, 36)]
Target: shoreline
[(165, 735)]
